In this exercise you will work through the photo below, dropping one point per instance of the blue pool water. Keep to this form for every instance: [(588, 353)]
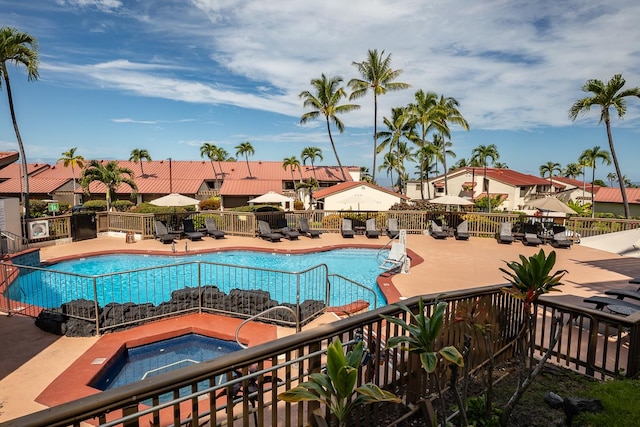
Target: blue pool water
[(51, 289), (146, 361)]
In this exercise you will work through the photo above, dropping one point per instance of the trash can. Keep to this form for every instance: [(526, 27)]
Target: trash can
[(130, 238)]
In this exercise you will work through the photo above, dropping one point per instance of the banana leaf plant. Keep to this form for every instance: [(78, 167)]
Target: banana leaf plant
[(336, 387), (423, 332)]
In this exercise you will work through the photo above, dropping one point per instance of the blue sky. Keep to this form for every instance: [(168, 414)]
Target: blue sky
[(168, 75)]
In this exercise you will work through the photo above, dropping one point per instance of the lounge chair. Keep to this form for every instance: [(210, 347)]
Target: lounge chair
[(392, 228), (560, 239), (505, 235), (347, 229), (264, 231), (190, 231), (395, 258), (462, 231), (289, 233), (437, 232), (602, 302), (212, 229), (303, 226), (531, 235), (621, 294), (371, 231), (162, 233)]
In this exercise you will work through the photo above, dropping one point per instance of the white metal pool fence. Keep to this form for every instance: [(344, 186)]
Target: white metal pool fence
[(124, 298)]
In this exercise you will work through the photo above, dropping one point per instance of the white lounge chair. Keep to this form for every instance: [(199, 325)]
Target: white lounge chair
[(395, 258)]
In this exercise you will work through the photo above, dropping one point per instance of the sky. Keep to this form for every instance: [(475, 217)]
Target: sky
[(170, 75)]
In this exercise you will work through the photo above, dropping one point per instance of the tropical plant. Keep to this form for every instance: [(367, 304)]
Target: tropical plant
[(389, 164), (500, 165), (69, 158), (138, 155), (572, 170), (111, 175), (293, 163), (446, 112), (421, 337), (328, 94), (404, 153), (589, 157), (336, 387), (426, 156), (442, 149), (530, 278), (377, 75), (607, 96), (245, 149), (311, 154), (611, 177), (18, 48), (550, 168), (481, 154), (365, 176), (209, 150), (400, 129)]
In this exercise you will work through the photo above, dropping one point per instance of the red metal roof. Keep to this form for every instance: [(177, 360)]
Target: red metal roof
[(249, 187), (614, 195), (8, 157)]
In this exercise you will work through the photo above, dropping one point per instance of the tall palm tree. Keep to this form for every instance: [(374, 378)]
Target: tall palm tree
[(293, 163), (550, 168), (311, 154), (138, 155), (426, 154), (442, 147), (245, 149), (446, 112), (69, 158), (572, 170), (500, 165), (210, 151), (400, 129), (611, 177), (607, 96), (365, 176), (111, 175), (221, 155), (377, 75), (389, 164), (19, 49), (328, 94), (589, 157), (481, 154), (403, 153)]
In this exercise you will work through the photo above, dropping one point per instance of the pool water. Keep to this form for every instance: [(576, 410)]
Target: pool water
[(146, 361)]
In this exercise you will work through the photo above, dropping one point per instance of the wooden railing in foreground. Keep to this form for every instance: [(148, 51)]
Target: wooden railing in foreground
[(188, 396)]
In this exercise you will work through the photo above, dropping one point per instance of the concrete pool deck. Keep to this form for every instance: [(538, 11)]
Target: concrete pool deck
[(31, 360)]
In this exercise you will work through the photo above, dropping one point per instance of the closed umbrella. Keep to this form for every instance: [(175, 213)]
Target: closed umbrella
[(550, 204)]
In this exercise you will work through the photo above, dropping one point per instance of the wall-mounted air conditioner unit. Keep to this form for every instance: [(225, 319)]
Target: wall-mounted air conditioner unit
[(38, 229)]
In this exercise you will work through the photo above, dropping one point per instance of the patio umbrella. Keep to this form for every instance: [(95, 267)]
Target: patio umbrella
[(451, 200), (550, 204), (175, 199), (271, 197)]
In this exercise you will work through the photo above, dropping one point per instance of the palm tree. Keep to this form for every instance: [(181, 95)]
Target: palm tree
[(245, 149), (389, 164), (607, 96), (550, 168), (589, 157), (500, 165), (481, 154), (293, 163), (400, 125), (19, 49), (111, 175), (328, 94), (442, 147), (611, 177), (210, 150), (403, 153), (425, 154), (446, 111), (311, 154), (71, 159), (365, 176), (572, 170), (377, 75), (138, 155)]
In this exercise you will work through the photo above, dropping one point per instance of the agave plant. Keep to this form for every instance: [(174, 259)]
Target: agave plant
[(335, 388), (423, 332)]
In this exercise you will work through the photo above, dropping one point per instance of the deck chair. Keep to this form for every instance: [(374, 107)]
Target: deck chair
[(162, 233), (392, 228), (212, 229), (303, 226), (560, 239), (371, 231), (289, 233), (462, 231), (395, 258), (437, 232), (347, 229), (602, 302), (265, 232), (190, 231), (531, 235), (505, 235)]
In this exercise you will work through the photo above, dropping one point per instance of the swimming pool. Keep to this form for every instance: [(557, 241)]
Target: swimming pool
[(105, 278), (146, 361)]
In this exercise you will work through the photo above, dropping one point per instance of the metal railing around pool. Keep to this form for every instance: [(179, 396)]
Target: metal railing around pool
[(114, 300)]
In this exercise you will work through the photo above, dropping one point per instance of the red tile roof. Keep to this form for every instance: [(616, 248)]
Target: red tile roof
[(614, 195), (8, 157), (15, 170), (344, 186)]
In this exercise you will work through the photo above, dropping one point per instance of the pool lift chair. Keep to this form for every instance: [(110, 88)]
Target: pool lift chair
[(190, 231), (396, 257), (162, 233)]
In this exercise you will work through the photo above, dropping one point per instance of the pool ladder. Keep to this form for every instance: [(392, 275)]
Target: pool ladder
[(262, 313)]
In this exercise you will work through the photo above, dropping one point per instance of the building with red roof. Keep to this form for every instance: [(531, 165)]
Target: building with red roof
[(609, 199)]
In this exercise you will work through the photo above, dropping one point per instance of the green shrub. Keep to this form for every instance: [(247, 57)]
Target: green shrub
[(149, 208), (298, 205), (38, 208), (123, 205), (95, 205), (210, 204)]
